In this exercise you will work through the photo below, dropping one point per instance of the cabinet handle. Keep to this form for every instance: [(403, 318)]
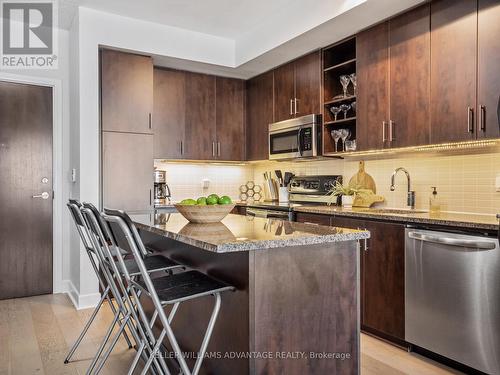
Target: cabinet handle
[(182, 148), (150, 120), (296, 106), (470, 120), (291, 106), (150, 197), (391, 131), (482, 118), (218, 148), (383, 131), (213, 149)]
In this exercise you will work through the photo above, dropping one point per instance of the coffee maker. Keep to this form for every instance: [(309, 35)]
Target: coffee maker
[(162, 191)]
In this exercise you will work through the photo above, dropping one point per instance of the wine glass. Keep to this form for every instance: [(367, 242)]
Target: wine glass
[(344, 108), (352, 77), (344, 134), (344, 81), (336, 136), (335, 111)]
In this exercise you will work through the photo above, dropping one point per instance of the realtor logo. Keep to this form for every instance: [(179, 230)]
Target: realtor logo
[(29, 34)]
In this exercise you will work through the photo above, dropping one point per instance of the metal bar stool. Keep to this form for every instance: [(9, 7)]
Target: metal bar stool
[(133, 322), (168, 290), (74, 208)]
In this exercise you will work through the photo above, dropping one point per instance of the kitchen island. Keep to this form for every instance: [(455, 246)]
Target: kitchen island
[(296, 305)]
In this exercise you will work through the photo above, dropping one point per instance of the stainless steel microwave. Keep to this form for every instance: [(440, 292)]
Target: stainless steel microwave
[(296, 138)]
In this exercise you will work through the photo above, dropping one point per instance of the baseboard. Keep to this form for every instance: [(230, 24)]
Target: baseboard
[(81, 301)]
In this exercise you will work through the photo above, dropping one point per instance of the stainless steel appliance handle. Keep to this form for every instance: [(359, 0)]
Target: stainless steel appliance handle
[(266, 214), (485, 245), (470, 120), (299, 141)]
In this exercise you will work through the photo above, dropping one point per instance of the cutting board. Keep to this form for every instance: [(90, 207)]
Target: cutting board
[(363, 180)]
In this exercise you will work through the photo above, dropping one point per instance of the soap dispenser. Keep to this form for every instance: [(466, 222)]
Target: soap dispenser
[(434, 204)]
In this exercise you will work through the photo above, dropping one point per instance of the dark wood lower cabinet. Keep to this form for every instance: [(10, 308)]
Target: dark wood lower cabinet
[(382, 274)]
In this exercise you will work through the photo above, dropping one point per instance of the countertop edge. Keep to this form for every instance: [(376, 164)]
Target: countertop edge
[(251, 245)]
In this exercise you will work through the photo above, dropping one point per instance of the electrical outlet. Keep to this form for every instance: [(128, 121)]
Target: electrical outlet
[(73, 175), (205, 183)]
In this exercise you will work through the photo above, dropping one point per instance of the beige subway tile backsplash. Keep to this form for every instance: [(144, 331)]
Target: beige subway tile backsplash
[(465, 183)]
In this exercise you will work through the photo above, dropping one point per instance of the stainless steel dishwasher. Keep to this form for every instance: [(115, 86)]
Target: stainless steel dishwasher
[(452, 296)]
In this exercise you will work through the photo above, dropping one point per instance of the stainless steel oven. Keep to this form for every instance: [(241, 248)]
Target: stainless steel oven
[(296, 138)]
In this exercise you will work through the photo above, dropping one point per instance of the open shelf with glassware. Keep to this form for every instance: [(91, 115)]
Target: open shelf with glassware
[(339, 97)]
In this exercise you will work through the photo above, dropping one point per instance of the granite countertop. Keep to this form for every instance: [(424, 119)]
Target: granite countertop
[(242, 233), (450, 219)]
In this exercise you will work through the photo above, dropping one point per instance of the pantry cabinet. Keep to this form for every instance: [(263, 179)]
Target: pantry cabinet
[(126, 92)]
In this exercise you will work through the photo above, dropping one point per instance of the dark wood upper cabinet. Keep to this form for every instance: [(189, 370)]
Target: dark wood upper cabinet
[(230, 118), (488, 100), (453, 70), (126, 92), (410, 53), (200, 130), (259, 110), (372, 67), (284, 92), (297, 87), (169, 111), (308, 84)]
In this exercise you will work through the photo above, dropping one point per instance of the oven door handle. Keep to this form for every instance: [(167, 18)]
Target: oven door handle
[(266, 214), (450, 241)]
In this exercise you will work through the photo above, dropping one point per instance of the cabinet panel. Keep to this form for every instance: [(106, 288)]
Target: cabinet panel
[(127, 170), (303, 217), (307, 84), (284, 92), (372, 69), (453, 69), (488, 73), (230, 118), (200, 136), (410, 77), (126, 92), (169, 113), (259, 111)]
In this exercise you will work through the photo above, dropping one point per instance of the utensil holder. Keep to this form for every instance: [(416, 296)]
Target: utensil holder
[(283, 195)]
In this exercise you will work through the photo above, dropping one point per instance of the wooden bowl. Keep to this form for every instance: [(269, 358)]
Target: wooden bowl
[(205, 214)]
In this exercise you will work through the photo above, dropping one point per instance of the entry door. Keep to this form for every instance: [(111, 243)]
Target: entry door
[(25, 175)]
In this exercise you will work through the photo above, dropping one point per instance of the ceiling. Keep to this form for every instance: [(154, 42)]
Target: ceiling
[(265, 33)]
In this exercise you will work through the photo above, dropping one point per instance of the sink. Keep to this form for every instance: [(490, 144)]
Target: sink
[(394, 211)]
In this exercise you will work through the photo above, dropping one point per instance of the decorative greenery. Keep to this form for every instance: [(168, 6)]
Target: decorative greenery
[(338, 190)]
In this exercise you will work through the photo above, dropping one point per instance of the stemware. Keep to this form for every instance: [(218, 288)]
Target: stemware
[(344, 134), (344, 108), (344, 81), (335, 111), (352, 77), (336, 136), (353, 106)]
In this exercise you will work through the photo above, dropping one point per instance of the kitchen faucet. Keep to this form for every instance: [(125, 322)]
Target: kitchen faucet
[(411, 194)]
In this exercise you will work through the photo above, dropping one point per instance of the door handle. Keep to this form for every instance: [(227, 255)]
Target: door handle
[(474, 244), (470, 120), (482, 117), (44, 195), (291, 106)]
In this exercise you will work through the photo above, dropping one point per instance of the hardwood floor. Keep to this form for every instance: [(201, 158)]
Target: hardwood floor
[(36, 333)]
